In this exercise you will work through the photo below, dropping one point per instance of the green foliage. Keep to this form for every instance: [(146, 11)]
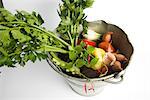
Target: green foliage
[(22, 38), (93, 61), (90, 49), (73, 18), (5, 37), (80, 62), (72, 55)]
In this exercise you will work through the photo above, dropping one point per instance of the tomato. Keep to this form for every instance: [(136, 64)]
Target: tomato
[(89, 42)]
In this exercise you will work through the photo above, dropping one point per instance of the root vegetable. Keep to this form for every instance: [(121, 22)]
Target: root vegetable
[(107, 37), (109, 59), (120, 57), (117, 66), (106, 46)]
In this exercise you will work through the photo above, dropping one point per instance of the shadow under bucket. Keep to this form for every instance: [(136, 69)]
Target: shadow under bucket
[(93, 86)]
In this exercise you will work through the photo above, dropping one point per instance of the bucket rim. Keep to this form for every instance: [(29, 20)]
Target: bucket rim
[(58, 70)]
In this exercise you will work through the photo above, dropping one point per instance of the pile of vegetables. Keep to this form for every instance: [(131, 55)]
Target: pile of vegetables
[(75, 48)]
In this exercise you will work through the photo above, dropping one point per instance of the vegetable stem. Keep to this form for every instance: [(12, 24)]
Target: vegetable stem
[(53, 35), (58, 59), (48, 48), (41, 29), (3, 51), (72, 41)]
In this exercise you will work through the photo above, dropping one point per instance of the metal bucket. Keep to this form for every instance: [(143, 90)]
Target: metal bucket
[(90, 87)]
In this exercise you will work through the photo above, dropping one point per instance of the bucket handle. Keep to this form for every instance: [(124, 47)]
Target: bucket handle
[(116, 79)]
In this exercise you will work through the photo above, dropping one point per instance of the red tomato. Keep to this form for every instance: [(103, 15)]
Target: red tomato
[(89, 42)]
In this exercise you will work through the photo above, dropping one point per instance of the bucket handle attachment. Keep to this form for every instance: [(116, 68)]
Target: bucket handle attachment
[(116, 79)]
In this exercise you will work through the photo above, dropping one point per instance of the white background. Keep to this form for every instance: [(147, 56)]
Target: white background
[(39, 82)]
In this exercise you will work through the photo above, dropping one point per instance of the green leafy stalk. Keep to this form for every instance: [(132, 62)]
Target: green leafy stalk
[(48, 48), (22, 38), (73, 19), (52, 34), (39, 28)]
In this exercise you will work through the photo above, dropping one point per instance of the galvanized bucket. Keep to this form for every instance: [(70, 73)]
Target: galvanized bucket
[(90, 87)]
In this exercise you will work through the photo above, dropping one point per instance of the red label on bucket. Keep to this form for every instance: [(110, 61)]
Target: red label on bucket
[(88, 88)]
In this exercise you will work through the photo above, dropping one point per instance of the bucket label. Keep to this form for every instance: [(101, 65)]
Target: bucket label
[(88, 88)]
